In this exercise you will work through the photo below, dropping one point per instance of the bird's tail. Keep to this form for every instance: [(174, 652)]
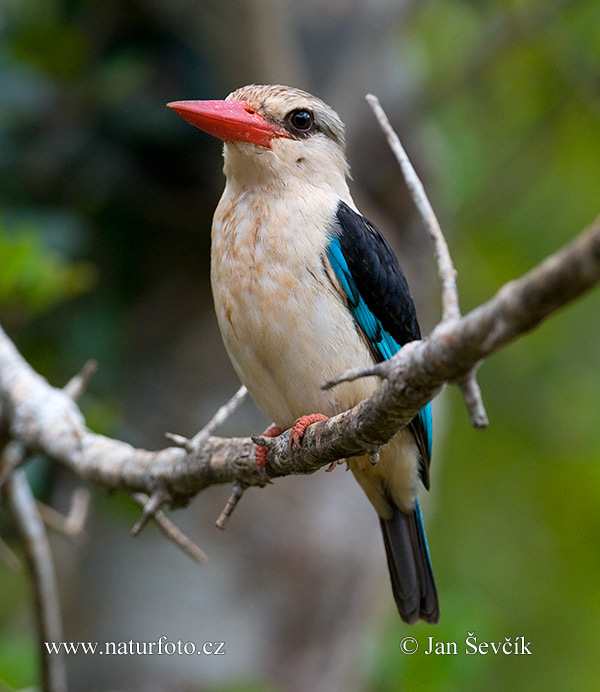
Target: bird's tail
[(410, 567)]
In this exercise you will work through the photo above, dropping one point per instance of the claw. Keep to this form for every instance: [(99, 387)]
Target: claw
[(260, 453), (299, 428)]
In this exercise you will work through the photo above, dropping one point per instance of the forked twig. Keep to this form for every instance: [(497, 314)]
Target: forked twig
[(171, 531), (222, 414)]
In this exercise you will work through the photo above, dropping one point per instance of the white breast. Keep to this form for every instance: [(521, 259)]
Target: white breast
[(284, 324)]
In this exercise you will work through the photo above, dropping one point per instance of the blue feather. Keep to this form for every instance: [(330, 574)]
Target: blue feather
[(384, 345), (426, 419)]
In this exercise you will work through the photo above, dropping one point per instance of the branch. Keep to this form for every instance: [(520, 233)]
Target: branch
[(446, 271), (46, 420), (72, 525), (169, 530), (34, 540)]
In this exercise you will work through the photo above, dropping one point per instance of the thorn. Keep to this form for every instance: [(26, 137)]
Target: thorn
[(379, 370), (179, 441), (474, 401), (237, 490), (374, 456), (262, 441), (79, 382), (151, 506)]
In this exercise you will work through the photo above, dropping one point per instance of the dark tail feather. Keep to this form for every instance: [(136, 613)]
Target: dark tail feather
[(410, 567)]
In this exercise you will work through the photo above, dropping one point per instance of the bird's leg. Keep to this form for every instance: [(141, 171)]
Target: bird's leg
[(299, 428), (260, 453)]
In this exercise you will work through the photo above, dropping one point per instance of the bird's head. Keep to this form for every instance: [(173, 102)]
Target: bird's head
[(273, 133)]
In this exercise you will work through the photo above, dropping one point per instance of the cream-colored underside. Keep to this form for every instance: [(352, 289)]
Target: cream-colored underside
[(285, 324)]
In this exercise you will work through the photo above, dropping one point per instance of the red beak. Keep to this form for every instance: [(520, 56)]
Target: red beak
[(231, 121)]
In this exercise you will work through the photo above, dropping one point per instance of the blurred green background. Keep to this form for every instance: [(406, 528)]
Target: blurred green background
[(106, 200)]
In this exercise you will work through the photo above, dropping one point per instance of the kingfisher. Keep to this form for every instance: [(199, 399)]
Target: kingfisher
[(305, 287)]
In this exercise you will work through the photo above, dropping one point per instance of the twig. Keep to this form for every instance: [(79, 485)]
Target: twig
[(171, 531), (473, 400), (35, 544), (381, 370), (9, 463), (446, 270), (78, 384), (222, 414), (237, 490), (150, 508), (73, 524)]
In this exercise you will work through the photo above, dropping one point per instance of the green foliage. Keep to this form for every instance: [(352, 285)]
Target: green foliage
[(19, 661), (244, 686), (35, 278)]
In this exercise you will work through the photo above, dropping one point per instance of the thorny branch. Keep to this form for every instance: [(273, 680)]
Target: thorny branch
[(45, 420)]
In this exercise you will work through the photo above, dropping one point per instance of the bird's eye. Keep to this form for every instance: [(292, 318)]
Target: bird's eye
[(301, 120)]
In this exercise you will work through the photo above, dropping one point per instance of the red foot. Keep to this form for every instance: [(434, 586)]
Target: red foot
[(297, 432), (260, 453)]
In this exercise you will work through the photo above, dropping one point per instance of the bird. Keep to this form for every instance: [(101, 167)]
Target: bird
[(304, 288)]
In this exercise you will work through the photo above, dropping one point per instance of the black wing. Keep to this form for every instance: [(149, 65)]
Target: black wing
[(380, 300)]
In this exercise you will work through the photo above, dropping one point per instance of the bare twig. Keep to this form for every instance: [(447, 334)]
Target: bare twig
[(446, 270), (35, 544), (237, 490), (151, 507), (171, 531), (73, 524), (78, 384), (222, 414), (9, 463), (473, 400), (381, 370)]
